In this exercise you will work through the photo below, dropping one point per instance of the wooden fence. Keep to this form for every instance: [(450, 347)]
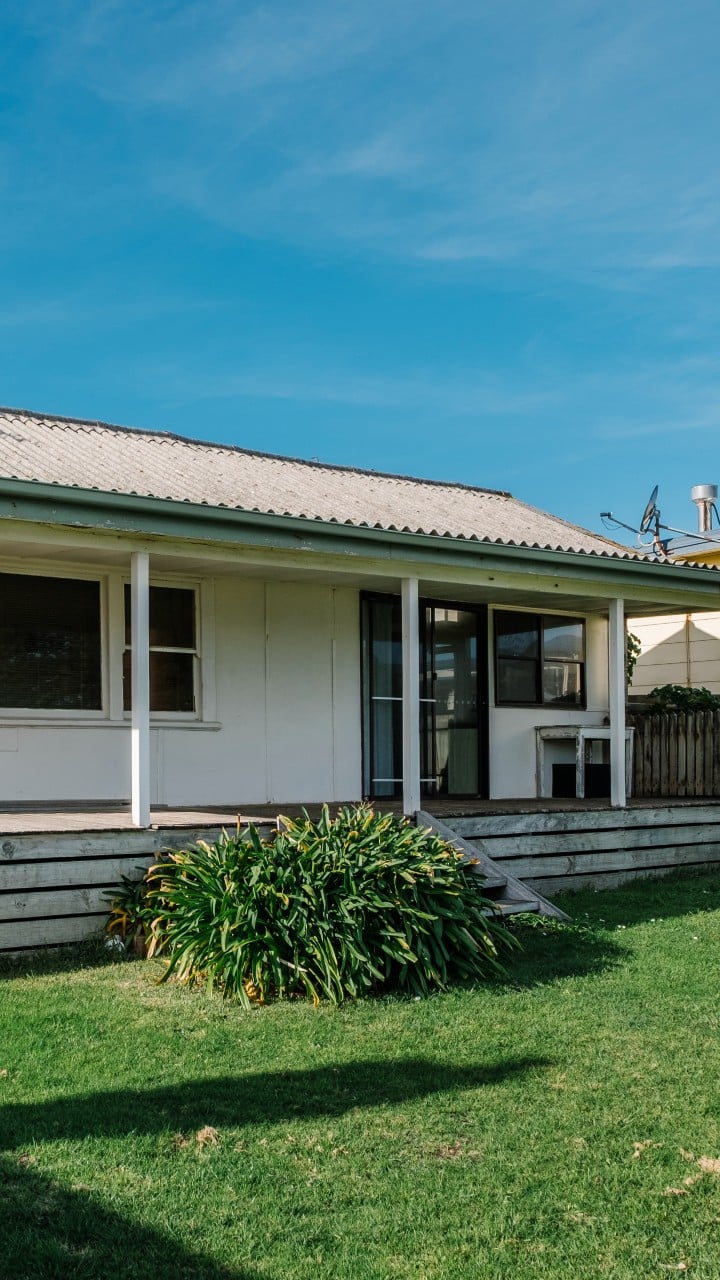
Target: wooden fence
[(676, 754)]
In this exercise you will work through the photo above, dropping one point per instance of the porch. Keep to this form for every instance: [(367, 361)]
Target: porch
[(56, 864)]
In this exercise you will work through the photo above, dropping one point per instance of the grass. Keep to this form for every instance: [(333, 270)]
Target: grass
[(564, 1122)]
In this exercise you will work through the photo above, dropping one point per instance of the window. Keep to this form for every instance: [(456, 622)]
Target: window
[(50, 650), (173, 650), (539, 660)]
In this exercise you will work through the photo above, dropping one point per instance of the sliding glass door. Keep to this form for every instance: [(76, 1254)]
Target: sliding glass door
[(453, 698), (382, 696)]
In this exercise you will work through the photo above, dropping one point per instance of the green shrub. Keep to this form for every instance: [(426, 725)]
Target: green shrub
[(330, 909), (131, 911), (633, 649), (677, 697)]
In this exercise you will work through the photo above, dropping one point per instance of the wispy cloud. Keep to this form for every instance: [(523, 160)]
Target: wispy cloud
[(444, 393), (422, 131), (660, 400)]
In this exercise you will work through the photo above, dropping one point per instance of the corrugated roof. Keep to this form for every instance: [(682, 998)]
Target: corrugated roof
[(99, 456)]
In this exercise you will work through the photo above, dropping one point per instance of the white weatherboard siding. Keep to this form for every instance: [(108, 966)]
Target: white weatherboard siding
[(512, 748), (286, 677), (66, 762)]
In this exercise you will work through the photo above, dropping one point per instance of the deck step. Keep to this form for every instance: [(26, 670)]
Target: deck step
[(492, 880), (516, 896), (504, 907)]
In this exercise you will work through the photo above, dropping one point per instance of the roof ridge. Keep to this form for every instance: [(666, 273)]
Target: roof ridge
[(255, 453)]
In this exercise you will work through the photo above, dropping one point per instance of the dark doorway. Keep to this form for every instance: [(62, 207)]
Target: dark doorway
[(453, 698)]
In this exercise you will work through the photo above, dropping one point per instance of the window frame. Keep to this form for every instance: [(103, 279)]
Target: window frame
[(541, 619), (125, 646)]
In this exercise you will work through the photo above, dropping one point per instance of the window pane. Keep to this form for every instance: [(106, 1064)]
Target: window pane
[(562, 682), (172, 682), (172, 617), (516, 635), (386, 657), (564, 640), (516, 680), (454, 717), (49, 643), (386, 779)]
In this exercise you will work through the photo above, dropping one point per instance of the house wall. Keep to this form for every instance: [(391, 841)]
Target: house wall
[(279, 709), (280, 665), (677, 649), (512, 744)]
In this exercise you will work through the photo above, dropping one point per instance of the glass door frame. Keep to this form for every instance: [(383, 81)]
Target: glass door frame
[(480, 612)]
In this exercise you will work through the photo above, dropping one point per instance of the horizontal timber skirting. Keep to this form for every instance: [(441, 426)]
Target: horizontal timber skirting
[(51, 886), (598, 849)]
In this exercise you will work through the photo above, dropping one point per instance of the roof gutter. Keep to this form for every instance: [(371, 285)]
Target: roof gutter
[(77, 508)]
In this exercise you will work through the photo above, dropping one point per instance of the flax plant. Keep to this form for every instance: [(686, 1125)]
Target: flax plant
[(331, 909)]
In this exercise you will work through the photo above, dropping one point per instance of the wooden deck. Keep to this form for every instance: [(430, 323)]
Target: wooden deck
[(59, 820), (56, 864), (49, 818)]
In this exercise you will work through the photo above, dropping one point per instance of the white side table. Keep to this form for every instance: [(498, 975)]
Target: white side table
[(580, 734)]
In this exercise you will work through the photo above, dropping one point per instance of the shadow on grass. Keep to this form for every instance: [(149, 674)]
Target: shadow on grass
[(48, 960), (679, 893), (552, 950), (49, 1233), (255, 1098), (589, 944), (68, 1234), (549, 950)]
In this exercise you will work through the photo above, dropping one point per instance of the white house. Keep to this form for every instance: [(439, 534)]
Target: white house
[(189, 624)]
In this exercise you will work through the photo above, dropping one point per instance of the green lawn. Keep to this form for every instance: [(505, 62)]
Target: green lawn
[(564, 1123)]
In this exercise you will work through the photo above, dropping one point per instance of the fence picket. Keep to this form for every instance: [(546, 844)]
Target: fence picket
[(664, 780), (682, 788), (708, 752), (672, 771)]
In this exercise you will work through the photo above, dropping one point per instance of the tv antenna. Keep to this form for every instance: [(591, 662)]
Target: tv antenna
[(651, 512), (649, 522)]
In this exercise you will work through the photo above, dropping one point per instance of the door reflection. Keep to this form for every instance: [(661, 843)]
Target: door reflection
[(453, 661), (449, 712)]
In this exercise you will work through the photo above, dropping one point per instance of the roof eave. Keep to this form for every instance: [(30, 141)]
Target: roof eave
[(146, 516)]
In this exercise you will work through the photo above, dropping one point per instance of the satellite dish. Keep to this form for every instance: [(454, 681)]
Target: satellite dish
[(650, 512)]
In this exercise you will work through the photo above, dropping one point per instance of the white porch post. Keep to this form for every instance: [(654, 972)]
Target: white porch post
[(616, 672), (140, 731), (410, 695)]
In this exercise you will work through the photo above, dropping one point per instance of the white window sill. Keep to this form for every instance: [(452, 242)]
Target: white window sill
[(68, 722)]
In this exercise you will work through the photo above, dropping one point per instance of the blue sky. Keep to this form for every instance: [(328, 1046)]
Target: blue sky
[(470, 240)]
